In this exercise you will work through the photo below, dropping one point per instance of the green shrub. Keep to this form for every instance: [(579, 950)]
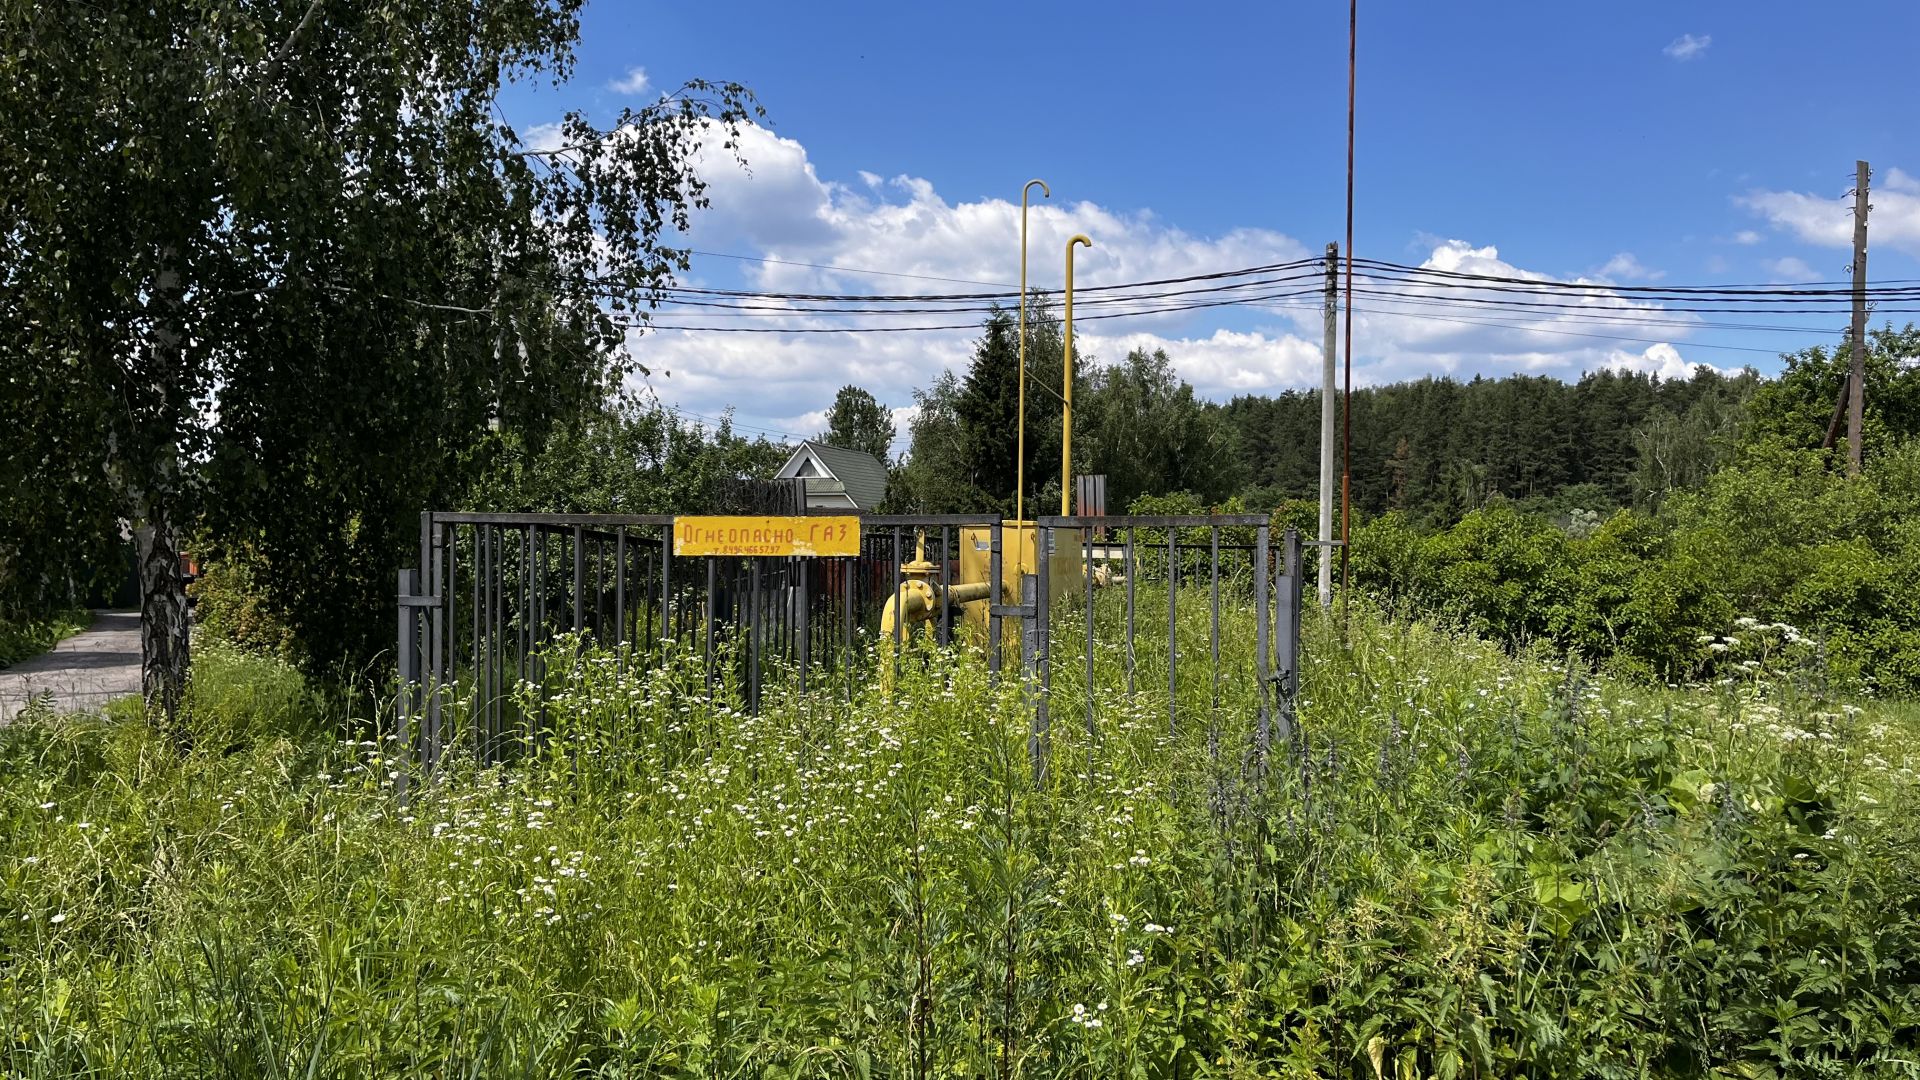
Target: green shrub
[(231, 605), (27, 635), (1778, 538)]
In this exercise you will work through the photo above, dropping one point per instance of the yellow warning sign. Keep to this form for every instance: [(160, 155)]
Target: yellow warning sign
[(802, 536)]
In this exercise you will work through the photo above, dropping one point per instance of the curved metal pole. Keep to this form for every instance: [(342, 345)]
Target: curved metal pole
[(1020, 426), (1066, 363)]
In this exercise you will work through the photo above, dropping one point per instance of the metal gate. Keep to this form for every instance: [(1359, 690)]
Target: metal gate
[(481, 618)]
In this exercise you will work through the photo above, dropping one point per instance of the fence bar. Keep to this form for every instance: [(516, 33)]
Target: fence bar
[(1151, 521), (1087, 571), (1131, 574), (756, 638), (848, 568), (1213, 640), (1289, 629), (1173, 634), (667, 629), (443, 591), (899, 608), (496, 654), (494, 657), (620, 593), (1031, 635), (995, 598), (540, 576), (1043, 648), (946, 587), (474, 713), (407, 658), (713, 616), (646, 605), (805, 623), (1262, 738), (527, 603)]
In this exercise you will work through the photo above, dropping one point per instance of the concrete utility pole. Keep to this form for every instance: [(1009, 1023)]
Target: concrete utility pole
[(1857, 381), (1327, 370)]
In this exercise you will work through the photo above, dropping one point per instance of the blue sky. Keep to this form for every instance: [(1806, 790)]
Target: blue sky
[(1684, 143)]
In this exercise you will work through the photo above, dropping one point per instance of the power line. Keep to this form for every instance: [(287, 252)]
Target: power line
[(1169, 309), (1803, 289), (1523, 328), (780, 310), (1250, 271), (735, 424), (852, 269)]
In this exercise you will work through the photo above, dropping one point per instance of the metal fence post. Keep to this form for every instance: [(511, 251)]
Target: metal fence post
[(442, 591), (1032, 662), (1173, 631), (1087, 569), (407, 655), (994, 602), (1132, 572), (1262, 733), (1288, 630)]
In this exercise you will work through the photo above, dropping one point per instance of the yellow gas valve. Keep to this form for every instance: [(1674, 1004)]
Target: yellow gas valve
[(919, 598)]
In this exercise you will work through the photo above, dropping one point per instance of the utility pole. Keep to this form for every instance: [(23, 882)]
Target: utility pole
[(1857, 381), (1346, 339), (1327, 369)]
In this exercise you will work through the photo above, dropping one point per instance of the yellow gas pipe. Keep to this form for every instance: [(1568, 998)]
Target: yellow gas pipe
[(1066, 416), (1020, 424), (918, 599)]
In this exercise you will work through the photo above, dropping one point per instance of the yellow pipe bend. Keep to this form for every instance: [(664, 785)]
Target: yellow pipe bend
[(920, 602)]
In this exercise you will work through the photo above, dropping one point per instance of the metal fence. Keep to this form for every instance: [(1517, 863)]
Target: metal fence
[(1099, 606)]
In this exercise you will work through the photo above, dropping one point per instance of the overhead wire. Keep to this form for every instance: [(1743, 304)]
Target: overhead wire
[(1387, 287), (1526, 328)]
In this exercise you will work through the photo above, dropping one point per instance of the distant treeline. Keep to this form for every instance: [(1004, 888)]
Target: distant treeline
[(1437, 448)]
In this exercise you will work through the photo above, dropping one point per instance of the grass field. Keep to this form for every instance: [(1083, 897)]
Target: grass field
[(1469, 865)]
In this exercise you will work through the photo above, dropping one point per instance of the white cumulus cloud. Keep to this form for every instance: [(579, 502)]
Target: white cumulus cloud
[(819, 234), (1661, 360), (1624, 267), (1893, 221), (1791, 271), (633, 83), (1687, 46)]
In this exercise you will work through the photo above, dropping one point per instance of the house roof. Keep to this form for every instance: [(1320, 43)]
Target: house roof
[(863, 475)]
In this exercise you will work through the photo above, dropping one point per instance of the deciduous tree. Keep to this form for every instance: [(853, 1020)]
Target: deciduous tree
[(282, 262), (857, 421)]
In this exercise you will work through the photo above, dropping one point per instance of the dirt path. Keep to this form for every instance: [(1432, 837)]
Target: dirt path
[(82, 673)]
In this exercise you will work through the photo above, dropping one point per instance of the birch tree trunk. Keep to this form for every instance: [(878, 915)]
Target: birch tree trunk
[(163, 594), (163, 620)]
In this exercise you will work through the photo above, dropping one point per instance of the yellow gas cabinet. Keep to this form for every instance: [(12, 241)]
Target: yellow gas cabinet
[(1017, 557)]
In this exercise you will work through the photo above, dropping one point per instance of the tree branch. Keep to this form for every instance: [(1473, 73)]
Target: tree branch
[(285, 50)]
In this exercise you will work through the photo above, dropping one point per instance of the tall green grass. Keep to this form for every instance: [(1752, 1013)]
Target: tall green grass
[(1464, 864)]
